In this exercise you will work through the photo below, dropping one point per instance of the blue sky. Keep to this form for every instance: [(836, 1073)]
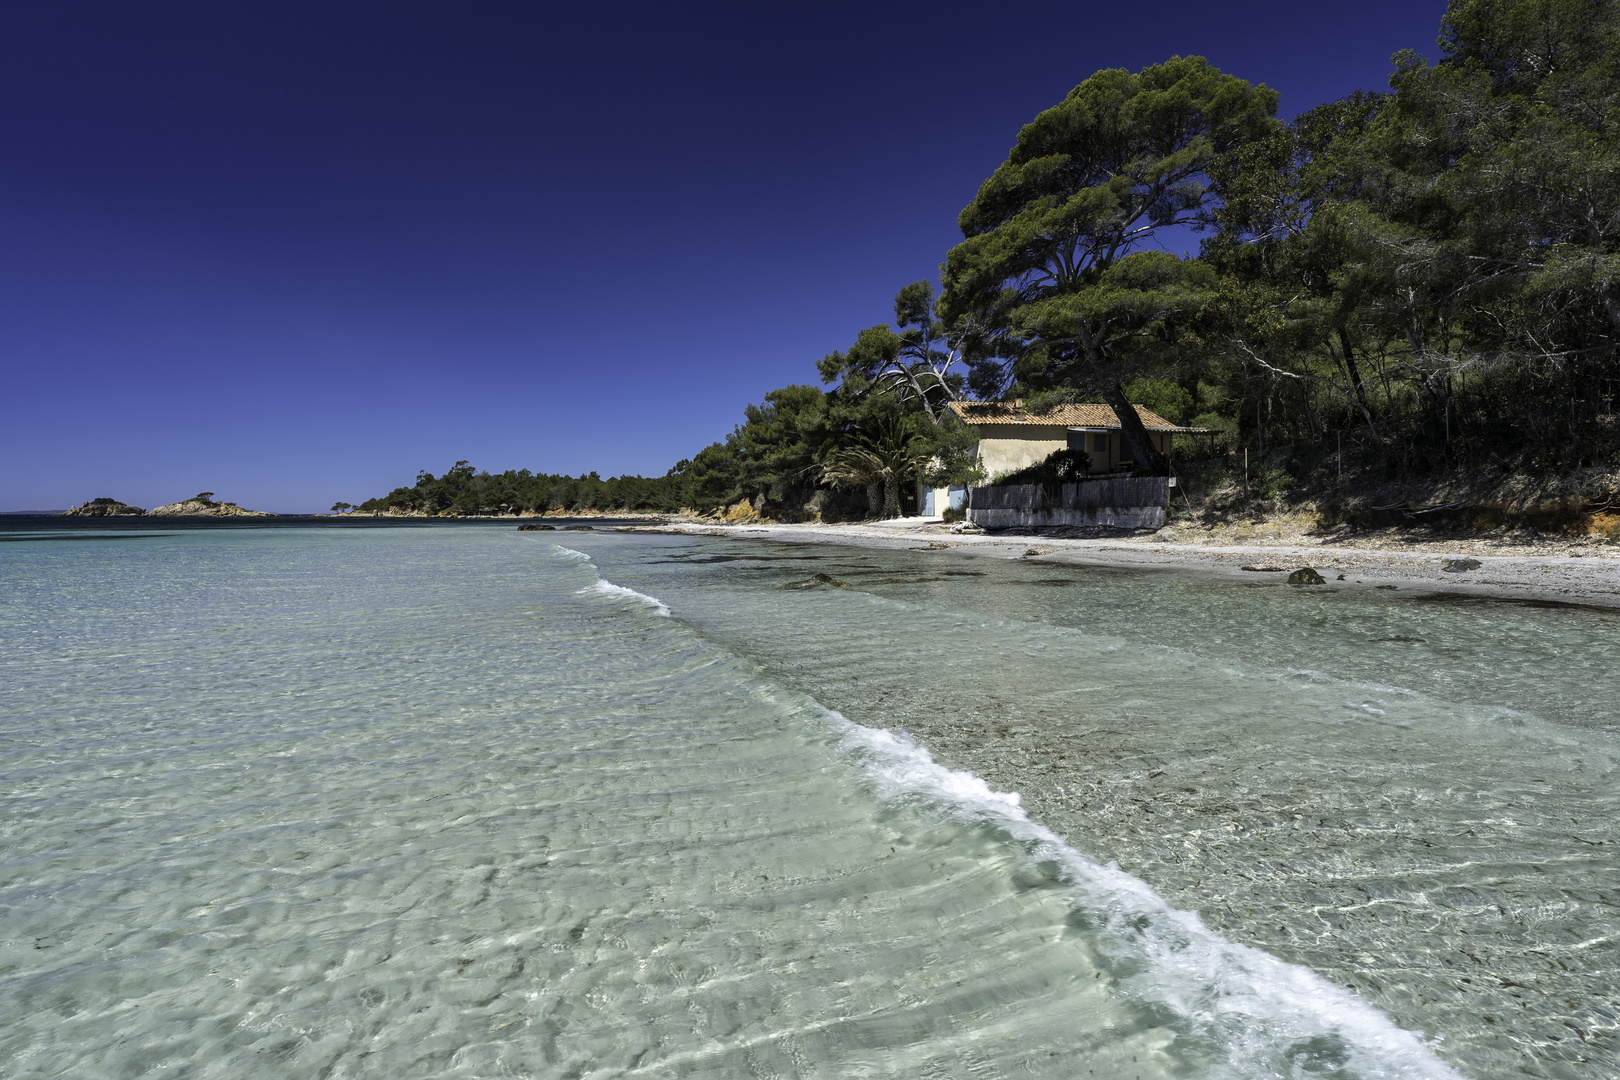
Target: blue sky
[(294, 252)]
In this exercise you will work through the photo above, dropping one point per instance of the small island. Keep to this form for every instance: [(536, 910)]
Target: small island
[(103, 507), (203, 505), (200, 505)]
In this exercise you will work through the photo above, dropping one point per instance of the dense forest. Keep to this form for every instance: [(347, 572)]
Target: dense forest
[(1419, 281), (463, 490)]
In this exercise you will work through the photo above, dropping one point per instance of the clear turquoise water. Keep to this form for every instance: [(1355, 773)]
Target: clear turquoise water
[(465, 802)]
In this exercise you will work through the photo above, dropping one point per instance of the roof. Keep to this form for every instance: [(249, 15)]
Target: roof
[(1089, 416)]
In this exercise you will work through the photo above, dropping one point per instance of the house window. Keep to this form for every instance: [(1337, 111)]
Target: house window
[(1099, 443)]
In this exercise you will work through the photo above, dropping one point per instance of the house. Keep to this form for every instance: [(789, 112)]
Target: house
[(1011, 438)]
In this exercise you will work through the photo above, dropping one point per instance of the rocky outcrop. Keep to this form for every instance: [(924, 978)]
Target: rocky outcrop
[(816, 579), (201, 506), (103, 508), (530, 526)]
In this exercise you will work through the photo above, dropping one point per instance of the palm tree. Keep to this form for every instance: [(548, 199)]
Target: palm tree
[(880, 458)]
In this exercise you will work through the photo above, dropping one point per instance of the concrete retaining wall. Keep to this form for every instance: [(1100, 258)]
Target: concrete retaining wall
[(1123, 503)]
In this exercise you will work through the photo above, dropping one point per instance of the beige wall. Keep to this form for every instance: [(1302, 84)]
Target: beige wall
[(1006, 448)]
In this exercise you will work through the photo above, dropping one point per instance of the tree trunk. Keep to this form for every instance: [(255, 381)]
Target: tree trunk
[(1354, 371), (874, 499), (891, 496), (1137, 439)]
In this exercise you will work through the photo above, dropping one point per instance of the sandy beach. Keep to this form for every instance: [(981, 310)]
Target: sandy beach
[(1550, 569)]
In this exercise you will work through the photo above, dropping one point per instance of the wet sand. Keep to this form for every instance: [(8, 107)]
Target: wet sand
[(1556, 571)]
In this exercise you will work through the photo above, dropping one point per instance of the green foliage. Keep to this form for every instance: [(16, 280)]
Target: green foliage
[(1438, 267), (885, 454), (1430, 274), (1048, 271), (1047, 263), (1170, 400), (914, 363), (780, 442), (464, 490), (712, 478)]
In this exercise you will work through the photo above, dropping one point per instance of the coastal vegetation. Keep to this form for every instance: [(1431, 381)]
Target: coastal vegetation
[(464, 490), (1416, 284)]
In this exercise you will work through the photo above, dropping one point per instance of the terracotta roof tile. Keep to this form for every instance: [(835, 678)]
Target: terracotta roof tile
[(1097, 416)]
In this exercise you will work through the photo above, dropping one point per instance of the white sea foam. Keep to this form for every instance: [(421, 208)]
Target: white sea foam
[(607, 588), (1266, 1013), (604, 586)]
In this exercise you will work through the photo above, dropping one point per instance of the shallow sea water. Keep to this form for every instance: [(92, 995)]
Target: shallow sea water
[(468, 802)]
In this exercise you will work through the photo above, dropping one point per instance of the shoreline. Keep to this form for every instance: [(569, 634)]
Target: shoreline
[(1586, 579)]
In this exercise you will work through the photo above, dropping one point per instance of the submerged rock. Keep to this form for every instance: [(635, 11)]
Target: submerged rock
[(532, 526), (1263, 568), (817, 579), (1458, 566), (103, 508), (1306, 576), (578, 528)]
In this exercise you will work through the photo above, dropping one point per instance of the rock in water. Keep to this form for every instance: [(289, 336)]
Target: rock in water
[(533, 526), (817, 579), (103, 508), (577, 528), (1306, 576), (1263, 568), (967, 527), (1457, 566)]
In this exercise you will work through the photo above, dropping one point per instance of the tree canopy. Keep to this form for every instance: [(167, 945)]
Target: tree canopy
[(1049, 267)]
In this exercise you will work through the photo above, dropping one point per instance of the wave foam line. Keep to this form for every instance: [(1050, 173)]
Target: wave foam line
[(1266, 1014), (604, 586)]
